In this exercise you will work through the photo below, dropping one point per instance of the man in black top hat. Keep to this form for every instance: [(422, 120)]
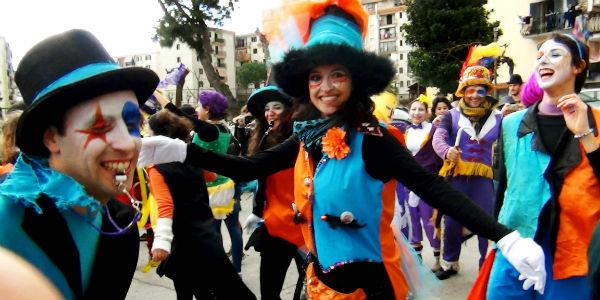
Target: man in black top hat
[(512, 102), (79, 139)]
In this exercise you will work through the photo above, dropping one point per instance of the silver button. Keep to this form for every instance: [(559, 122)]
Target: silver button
[(307, 181), (346, 217)]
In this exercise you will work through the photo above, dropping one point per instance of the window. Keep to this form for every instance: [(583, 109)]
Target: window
[(200, 71), (201, 83), (255, 51), (389, 19), (217, 49), (401, 56), (177, 46), (240, 42), (137, 58), (178, 59), (387, 33), (385, 47), (400, 70), (400, 41), (400, 83), (386, 20), (400, 15), (147, 66), (253, 39), (370, 7), (148, 57)]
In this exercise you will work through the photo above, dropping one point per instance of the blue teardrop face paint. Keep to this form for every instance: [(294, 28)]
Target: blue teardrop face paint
[(132, 117)]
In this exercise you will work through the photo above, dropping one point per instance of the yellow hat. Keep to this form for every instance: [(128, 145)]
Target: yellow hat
[(474, 75), (384, 105)]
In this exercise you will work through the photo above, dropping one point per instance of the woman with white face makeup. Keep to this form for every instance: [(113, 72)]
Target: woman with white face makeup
[(418, 136), (345, 163), (549, 177), (464, 139)]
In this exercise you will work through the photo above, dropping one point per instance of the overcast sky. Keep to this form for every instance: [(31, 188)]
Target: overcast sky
[(123, 26)]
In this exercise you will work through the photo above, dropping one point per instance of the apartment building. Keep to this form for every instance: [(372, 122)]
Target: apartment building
[(7, 86), (167, 59), (385, 38), (527, 24), (249, 48)]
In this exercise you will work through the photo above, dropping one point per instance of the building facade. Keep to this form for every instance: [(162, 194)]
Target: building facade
[(167, 59), (526, 25), (385, 38), (7, 85)]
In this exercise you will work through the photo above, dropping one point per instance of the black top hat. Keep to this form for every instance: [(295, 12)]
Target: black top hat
[(515, 79), (260, 98), (64, 70)]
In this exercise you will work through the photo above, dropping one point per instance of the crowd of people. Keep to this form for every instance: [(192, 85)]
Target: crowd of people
[(340, 190)]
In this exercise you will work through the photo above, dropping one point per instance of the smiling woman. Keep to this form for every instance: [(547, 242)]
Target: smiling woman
[(546, 199)]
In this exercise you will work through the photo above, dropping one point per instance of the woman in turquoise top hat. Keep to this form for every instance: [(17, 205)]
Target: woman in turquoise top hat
[(345, 162)]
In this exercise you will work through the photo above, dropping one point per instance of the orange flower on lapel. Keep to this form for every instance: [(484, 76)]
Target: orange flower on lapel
[(334, 144)]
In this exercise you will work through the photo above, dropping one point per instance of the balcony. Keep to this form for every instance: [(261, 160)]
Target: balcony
[(221, 54), (219, 41)]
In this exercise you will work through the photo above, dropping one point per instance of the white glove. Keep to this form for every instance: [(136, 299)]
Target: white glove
[(527, 257), (413, 199), (161, 149), (251, 223)]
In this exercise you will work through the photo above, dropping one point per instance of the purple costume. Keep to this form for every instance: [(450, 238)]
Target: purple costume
[(419, 142), (472, 175)]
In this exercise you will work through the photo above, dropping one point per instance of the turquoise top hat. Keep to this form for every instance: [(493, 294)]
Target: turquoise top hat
[(260, 97), (64, 70), (335, 38), (331, 29)]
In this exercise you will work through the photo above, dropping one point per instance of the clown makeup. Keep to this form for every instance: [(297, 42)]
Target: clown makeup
[(329, 87), (474, 95), (553, 65), (100, 140), (417, 112), (273, 113)]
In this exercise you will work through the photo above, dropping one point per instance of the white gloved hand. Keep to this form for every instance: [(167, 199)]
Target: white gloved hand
[(251, 223), (527, 257), (413, 199), (161, 149)]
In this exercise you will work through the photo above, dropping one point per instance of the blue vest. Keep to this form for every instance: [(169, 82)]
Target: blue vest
[(345, 186), (524, 167)]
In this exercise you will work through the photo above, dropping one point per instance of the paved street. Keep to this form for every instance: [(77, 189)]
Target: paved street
[(147, 286)]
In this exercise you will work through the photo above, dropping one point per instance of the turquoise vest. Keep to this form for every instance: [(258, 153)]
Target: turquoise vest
[(345, 186), (524, 168)]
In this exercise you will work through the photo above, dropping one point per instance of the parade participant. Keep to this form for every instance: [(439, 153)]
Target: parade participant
[(344, 163), (512, 102), (9, 152), (224, 194), (185, 240), (279, 238), (418, 137), (439, 107), (550, 170), (79, 139), (464, 139), (594, 262)]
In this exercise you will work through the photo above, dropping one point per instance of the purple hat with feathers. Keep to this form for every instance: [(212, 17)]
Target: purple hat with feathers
[(216, 103)]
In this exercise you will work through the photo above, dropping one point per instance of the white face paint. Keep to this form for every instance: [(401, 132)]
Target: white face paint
[(101, 139), (553, 65), (417, 112)]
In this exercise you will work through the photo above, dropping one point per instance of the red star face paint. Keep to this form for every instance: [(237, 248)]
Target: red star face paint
[(101, 140)]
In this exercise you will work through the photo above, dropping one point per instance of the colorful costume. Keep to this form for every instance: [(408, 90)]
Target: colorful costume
[(279, 238), (39, 225), (419, 143), (183, 200), (559, 207), (87, 247), (365, 246)]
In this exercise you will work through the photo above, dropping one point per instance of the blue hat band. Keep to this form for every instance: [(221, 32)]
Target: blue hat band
[(331, 29), (77, 75)]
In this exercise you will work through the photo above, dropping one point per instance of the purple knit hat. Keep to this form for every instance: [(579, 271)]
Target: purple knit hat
[(216, 103)]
